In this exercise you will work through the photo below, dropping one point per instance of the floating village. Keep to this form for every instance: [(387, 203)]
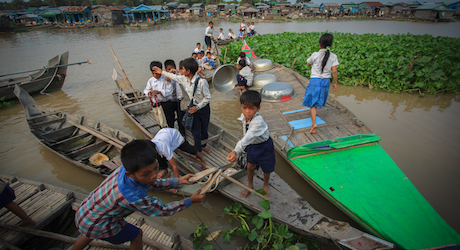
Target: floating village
[(147, 15), (329, 147)]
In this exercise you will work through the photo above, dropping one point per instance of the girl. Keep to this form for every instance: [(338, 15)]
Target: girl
[(323, 63)]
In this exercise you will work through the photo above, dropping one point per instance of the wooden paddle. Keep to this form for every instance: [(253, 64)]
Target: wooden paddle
[(124, 74), (225, 176)]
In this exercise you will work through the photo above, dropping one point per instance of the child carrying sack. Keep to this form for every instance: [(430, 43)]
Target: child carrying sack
[(187, 120), (158, 112)]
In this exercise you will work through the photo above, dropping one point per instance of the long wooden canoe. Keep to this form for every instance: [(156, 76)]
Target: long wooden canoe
[(287, 206), (71, 137), (44, 203), (41, 81), (359, 177)]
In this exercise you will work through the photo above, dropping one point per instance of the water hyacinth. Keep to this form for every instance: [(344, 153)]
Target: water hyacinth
[(394, 63)]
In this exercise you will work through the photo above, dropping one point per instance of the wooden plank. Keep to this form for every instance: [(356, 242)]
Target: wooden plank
[(57, 135), (46, 123), (135, 104), (87, 149), (70, 140), (42, 115), (327, 132)]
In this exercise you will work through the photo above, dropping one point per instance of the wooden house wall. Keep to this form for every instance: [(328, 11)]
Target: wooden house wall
[(425, 14)]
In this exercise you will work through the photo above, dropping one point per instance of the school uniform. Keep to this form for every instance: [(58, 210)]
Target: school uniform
[(172, 106), (196, 50), (317, 90), (244, 77), (208, 35), (221, 36), (248, 61), (230, 35), (257, 142), (201, 100)]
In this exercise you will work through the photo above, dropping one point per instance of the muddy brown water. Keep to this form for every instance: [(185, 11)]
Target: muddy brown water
[(419, 133)]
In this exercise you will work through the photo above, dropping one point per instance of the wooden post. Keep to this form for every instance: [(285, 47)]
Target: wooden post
[(124, 74)]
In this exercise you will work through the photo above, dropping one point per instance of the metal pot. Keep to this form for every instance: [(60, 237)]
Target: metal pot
[(277, 92), (262, 65), (224, 79), (262, 80)]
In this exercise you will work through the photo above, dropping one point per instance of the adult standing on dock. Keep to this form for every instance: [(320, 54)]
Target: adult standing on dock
[(208, 35)]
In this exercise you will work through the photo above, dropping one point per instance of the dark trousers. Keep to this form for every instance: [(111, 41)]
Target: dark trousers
[(170, 109), (200, 126), (241, 81)]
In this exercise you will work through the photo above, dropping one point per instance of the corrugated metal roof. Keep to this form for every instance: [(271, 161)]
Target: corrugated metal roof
[(374, 4), (332, 4), (75, 9), (437, 7)]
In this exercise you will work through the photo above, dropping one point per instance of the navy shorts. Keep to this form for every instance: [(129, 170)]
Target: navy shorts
[(185, 146), (262, 154), (6, 196), (128, 233), (241, 81)]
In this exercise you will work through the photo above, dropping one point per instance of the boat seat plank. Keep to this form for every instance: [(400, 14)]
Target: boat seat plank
[(86, 149), (70, 140), (135, 103), (58, 134), (46, 123), (42, 115)]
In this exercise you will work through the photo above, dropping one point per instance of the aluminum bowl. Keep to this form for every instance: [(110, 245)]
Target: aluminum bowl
[(262, 65), (224, 78), (262, 80), (277, 92)]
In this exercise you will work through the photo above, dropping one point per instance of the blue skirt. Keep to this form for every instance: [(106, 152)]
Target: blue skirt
[(316, 93)]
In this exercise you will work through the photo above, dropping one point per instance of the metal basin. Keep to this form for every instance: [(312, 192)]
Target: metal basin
[(277, 92), (262, 65), (224, 79), (262, 80)]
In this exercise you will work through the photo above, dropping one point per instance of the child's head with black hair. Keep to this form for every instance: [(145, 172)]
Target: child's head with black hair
[(139, 158), (208, 55), (325, 42), (250, 103), (242, 55), (241, 64), (189, 66), (156, 64), (194, 55), (169, 64)]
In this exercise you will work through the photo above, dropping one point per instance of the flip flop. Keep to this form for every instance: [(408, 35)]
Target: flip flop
[(200, 175), (211, 182)]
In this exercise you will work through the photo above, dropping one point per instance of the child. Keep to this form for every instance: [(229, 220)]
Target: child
[(166, 141), (7, 197), (243, 26), (199, 61), (156, 87), (244, 77), (208, 34), (323, 61), (252, 28), (221, 34), (175, 96), (241, 34), (201, 98), (230, 34), (125, 191), (198, 48), (243, 57), (194, 55), (209, 62), (256, 140)]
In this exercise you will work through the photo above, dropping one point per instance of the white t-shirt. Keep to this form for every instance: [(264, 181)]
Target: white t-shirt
[(221, 36), (248, 62), (247, 74), (316, 60), (166, 141)]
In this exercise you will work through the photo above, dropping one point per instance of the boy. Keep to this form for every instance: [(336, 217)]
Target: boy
[(221, 34), (199, 61), (252, 28), (230, 34), (209, 62), (198, 48), (156, 86), (194, 55), (244, 77), (256, 140), (241, 34), (208, 34), (175, 96), (125, 191), (201, 98), (166, 141), (243, 56), (7, 197)]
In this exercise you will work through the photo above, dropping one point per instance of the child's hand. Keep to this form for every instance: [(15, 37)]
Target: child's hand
[(232, 156), (193, 110), (157, 70), (197, 197), (184, 179), (334, 87)]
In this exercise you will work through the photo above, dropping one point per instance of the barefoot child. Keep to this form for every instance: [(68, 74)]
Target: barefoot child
[(7, 197), (125, 191), (244, 77), (256, 140), (323, 63)]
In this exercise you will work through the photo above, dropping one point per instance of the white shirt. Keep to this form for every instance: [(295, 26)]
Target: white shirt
[(230, 34), (170, 86), (221, 36), (247, 74), (159, 85), (202, 95), (257, 132), (248, 62), (208, 31), (243, 26), (196, 50), (251, 27), (316, 60), (166, 141)]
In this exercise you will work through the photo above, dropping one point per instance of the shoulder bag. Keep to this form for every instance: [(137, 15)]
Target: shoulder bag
[(158, 112), (187, 120)]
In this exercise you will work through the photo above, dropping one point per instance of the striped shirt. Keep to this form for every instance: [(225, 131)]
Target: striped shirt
[(101, 214), (256, 132)]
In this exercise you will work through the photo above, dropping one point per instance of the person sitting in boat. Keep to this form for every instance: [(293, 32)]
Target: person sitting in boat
[(244, 77), (156, 89), (201, 96), (198, 48), (241, 34), (175, 96), (252, 28), (166, 141), (243, 56), (256, 140), (125, 191), (7, 197), (221, 35), (243, 26), (209, 62), (212, 51), (230, 34), (199, 60)]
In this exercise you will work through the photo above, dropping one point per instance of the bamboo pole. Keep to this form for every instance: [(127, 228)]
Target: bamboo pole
[(117, 143), (124, 74), (53, 67), (225, 176)]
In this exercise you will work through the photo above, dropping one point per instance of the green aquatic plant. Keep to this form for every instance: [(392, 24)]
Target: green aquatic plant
[(4, 104), (393, 63)]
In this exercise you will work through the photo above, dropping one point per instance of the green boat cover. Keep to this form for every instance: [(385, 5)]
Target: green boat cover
[(359, 177)]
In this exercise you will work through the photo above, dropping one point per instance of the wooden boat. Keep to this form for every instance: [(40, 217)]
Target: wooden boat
[(359, 177), (45, 203), (73, 138), (287, 206), (226, 41), (41, 81), (289, 124)]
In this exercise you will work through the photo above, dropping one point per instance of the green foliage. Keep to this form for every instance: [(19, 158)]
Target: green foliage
[(380, 61), (262, 232), (4, 104)]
